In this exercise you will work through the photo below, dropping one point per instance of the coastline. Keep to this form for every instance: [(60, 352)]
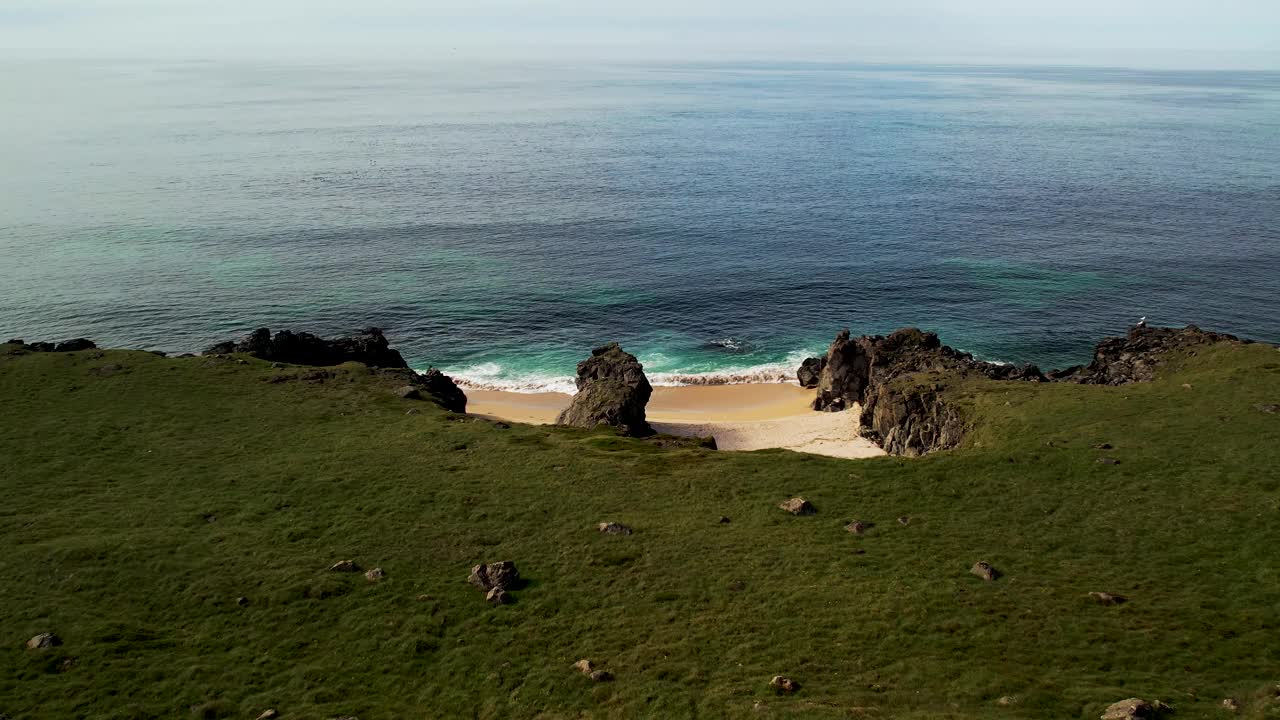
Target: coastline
[(751, 416)]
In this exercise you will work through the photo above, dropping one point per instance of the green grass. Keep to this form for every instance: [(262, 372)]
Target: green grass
[(112, 483)]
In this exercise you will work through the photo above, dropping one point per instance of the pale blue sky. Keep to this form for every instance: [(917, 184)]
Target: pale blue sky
[(1173, 33)]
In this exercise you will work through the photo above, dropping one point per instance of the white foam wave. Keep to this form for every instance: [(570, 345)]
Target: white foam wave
[(492, 376)]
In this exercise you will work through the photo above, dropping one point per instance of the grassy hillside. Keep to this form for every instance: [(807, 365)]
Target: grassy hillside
[(144, 495)]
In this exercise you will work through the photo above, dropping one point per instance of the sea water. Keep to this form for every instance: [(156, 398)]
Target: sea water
[(721, 221)]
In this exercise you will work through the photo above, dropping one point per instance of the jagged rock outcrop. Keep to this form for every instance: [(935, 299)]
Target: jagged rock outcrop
[(431, 384), (612, 390), (910, 416), (911, 419), (369, 346), (1136, 356), (844, 375)]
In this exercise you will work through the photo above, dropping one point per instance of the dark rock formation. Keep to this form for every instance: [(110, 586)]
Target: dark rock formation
[(810, 372), (612, 390), (909, 415), (65, 346), (844, 375), (1135, 357), (369, 346), (443, 389), (911, 419)]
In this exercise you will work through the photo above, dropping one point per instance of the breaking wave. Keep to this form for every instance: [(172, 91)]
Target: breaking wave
[(493, 376)]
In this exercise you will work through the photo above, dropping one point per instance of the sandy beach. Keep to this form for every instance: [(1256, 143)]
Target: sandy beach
[(739, 417)]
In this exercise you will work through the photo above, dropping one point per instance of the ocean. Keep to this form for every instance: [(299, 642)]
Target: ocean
[(721, 221)]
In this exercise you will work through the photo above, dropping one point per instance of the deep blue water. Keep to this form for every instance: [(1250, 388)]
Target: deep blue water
[(500, 221)]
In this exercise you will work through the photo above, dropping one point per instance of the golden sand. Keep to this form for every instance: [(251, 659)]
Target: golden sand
[(740, 417)]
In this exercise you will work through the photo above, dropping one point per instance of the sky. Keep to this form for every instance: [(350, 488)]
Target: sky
[(1151, 33)]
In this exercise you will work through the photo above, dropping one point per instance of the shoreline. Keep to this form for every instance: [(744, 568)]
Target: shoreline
[(748, 416)]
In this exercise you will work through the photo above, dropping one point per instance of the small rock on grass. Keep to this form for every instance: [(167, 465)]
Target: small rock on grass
[(242, 601), (43, 641), (1231, 704), (1269, 408), (613, 528), (1103, 446), (858, 527), (784, 684), (409, 392), (1007, 700), (1108, 461), (984, 570), (344, 566), (798, 506), (1106, 598), (269, 715), (584, 666), (375, 575), (497, 596), (601, 676), (904, 520), (724, 520), (1134, 709)]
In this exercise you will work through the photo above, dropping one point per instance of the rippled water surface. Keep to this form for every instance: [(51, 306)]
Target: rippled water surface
[(500, 221)]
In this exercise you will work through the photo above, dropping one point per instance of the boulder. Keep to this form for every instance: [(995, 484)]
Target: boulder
[(1131, 709), (984, 570), (44, 641), (1136, 356), (783, 684), (501, 575), (612, 390), (612, 528), (810, 372), (798, 506), (368, 346)]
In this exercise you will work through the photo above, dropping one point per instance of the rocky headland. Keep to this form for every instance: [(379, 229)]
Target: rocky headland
[(899, 381)]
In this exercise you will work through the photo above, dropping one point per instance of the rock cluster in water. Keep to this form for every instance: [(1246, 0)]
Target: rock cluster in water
[(612, 390)]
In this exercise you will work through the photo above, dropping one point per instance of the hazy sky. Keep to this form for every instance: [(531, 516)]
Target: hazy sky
[(1179, 33)]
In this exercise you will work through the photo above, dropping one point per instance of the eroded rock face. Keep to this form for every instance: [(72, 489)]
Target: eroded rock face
[(369, 346), (612, 390), (911, 419), (1136, 356)]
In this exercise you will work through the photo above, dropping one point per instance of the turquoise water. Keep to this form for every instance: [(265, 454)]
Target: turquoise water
[(718, 220)]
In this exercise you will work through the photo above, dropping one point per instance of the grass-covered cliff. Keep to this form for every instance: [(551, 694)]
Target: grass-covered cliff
[(144, 496)]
